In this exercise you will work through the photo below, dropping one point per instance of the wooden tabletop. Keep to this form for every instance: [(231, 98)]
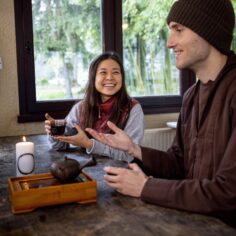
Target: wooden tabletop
[(113, 214)]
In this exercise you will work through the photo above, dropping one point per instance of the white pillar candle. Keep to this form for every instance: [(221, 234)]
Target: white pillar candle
[(24, 158)]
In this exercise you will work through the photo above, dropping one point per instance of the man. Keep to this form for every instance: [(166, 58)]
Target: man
[(198, 172)]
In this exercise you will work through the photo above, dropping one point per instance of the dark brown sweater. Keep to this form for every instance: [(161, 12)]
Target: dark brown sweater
[(198, 172)]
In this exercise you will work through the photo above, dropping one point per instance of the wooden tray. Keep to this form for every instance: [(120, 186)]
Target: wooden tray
[(29, 192)]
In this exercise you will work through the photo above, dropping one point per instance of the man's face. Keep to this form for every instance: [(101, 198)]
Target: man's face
[(191, 50)]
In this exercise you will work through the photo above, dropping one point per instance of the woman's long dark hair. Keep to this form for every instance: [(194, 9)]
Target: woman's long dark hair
[(93, 98)]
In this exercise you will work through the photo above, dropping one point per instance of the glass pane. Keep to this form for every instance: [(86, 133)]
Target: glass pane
[(150, 66), (234, 39), (67, 36)]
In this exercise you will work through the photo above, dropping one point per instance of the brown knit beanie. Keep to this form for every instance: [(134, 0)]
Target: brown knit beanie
[(213, 20)]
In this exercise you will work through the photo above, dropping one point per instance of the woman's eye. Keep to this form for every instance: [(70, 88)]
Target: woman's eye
[(116, 72)]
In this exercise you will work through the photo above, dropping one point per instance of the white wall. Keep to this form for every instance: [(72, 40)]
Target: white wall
[(9, 104)]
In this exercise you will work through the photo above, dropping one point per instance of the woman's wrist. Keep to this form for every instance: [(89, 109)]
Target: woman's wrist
[(89, 144), (90, 149)]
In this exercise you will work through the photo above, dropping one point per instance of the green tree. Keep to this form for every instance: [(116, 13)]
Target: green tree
[(145, 34), (68, 28)]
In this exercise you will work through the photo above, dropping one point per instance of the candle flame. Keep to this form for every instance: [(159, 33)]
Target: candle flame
[(24, 139)]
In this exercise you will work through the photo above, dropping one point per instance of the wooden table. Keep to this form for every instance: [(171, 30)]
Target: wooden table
[(113, 214)]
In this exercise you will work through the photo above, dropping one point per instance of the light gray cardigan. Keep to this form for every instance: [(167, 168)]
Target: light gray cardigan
[(134, 128)]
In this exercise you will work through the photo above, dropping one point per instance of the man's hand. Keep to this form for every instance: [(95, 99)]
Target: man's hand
[(126, 181)]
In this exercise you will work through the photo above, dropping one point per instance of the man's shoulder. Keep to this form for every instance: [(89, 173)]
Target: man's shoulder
[(229, 70), (228, 80)]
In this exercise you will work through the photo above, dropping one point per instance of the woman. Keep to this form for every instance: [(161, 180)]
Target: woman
[(105, 99)]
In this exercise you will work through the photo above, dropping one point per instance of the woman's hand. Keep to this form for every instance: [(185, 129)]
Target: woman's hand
[(80, 139), (126, 181), (47, 123), (119, 140)]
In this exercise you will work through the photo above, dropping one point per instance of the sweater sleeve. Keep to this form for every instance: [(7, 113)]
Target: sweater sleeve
[(71, 119), (203, 195), (134, 128)]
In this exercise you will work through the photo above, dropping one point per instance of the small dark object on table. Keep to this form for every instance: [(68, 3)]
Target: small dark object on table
[(68, 169)]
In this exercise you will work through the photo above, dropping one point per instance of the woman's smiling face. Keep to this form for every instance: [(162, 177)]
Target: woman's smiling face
[(108, 79)]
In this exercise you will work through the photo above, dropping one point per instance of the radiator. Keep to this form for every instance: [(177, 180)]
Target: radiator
[(158, 138)]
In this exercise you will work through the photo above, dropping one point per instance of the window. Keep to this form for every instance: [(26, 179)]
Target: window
[(67, 36), (57, 40), (145, 51)]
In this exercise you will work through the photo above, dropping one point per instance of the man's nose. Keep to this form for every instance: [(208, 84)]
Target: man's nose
[(170, 41)]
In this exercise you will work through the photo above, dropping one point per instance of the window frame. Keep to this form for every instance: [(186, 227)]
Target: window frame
[(111, 25)]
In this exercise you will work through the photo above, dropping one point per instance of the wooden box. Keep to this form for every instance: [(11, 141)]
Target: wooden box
[(29, 192)]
